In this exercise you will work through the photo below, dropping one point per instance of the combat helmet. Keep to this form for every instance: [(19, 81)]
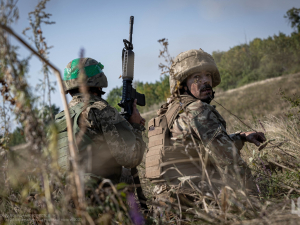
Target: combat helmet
[(189, 62), (93, 71)]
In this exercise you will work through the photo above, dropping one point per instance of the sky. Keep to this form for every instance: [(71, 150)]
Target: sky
[(99, 26)]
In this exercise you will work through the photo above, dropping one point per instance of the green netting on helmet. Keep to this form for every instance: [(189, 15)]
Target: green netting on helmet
[(73, 72)]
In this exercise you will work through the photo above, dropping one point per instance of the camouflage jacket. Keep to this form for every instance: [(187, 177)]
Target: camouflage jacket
[(208, 129), (116, 142)]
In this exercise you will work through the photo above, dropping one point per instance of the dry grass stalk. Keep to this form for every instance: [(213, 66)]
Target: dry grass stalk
[(73, 151)]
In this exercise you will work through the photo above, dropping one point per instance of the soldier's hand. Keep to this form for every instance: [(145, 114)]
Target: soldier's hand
[(136, 116), (253, 137)]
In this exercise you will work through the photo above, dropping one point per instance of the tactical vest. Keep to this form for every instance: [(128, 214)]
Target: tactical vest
[(62, 143), (159, 137)]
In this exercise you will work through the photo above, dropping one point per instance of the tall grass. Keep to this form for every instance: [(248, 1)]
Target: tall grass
[(277, 175), (35, 191)]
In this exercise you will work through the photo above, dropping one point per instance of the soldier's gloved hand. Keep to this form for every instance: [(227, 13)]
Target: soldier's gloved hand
[(136, 116), (253, 137)]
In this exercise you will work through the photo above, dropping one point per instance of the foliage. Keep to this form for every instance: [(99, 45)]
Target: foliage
[(47, 113), (293, 16), (17, 137), (155, 93), (36, 19), (259, 60), (114, 97), (165, 55)]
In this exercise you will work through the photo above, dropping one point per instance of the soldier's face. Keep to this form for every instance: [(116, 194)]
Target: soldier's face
[(200, 84)]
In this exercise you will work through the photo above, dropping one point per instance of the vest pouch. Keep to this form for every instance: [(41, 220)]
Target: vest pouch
[(156, 135), (63, 150), (159, 144), (62, 142)]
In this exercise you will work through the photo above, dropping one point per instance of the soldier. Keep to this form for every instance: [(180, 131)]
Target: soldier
[(187, 126), (108, 140)]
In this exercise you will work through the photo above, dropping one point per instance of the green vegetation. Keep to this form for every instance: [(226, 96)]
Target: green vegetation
[(293, 16), (259, 60), (114, 97), (17, 136), (154, 92)]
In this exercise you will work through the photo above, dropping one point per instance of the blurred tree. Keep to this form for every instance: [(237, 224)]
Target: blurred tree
[(17, 136), (114, 97), (293, 16), (46, 113)]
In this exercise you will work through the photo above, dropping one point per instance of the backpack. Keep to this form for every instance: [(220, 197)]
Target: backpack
[(62, 142), (159, 135)]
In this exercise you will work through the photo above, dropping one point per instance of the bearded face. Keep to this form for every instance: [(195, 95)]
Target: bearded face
[(200, 85)]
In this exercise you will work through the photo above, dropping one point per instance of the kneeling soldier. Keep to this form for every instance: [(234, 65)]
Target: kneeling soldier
[(108, 141)]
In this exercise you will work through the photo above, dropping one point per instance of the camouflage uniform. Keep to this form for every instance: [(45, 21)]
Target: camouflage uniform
[(198, 128), (224, 164), (209, 131), (108, 141), (116, 143)]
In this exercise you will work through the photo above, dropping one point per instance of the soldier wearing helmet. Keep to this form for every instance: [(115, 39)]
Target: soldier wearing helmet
[(108, 141), (196, 127)]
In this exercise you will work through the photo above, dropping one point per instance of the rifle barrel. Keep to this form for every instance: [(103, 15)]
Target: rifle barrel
[(131, 28)]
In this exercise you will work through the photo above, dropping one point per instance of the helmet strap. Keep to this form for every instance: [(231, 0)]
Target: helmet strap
[(188, 90)]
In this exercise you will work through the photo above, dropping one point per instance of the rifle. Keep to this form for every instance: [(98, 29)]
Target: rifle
[(129, 94)]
